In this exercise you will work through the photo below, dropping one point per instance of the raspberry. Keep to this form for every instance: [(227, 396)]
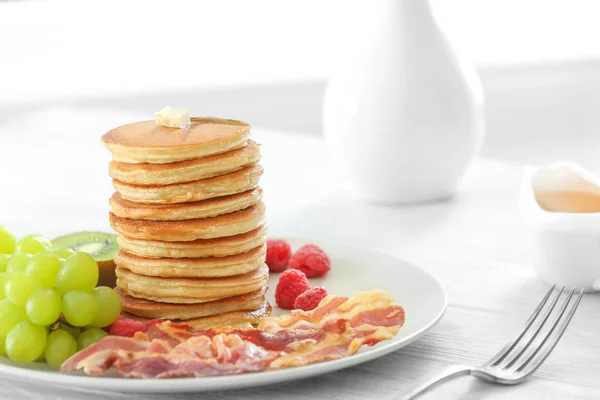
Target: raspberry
[(311, 260), (126, 327), (310, 299), (278, 254), (292, 283)]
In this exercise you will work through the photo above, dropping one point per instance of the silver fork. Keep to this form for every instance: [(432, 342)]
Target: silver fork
[(520, 357)]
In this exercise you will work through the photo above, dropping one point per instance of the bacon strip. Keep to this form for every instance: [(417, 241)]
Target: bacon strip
[(224, 354), (101, 355), (337, 328)]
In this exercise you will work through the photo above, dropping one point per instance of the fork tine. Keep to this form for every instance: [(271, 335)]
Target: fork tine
[(501, 355), (536, 341), (522, 347), (552, 338)]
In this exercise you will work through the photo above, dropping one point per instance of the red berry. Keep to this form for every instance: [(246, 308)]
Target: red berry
[(310, 299), (127, 327), (311, 260), (292, 283), (278, 254)]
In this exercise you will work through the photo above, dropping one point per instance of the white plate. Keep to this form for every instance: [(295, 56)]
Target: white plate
[(354, 269)]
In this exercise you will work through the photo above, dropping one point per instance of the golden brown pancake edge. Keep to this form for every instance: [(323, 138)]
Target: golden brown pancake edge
[(185, 171), (207, 267), (190, 290), (236, 319), (242, 180), (151, 309), (181, 211), (188, 230), (217, 247)]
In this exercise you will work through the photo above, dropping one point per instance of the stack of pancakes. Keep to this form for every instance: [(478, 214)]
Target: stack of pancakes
[(190, 220)]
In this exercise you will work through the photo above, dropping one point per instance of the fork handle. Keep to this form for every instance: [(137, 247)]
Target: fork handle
[(449, 373)]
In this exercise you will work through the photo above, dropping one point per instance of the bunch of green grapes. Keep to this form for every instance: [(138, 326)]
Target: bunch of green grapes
[(50, 307)]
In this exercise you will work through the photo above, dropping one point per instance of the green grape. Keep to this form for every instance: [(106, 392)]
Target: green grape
[(33, 244), (19, 287), (4, 259), (45, 267), (89, 336), (25, 342), (43, 307), (74, 331), (2, 345), (78, 272), (8, 241), (18, 262), (109, 306), (4, 276), (62, 253), (10, 315), (60, 346), (79, 308)]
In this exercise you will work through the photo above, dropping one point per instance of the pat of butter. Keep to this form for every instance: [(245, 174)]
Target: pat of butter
[(172, 117)]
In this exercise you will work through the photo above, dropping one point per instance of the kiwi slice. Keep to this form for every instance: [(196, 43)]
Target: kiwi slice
[(102, 246)]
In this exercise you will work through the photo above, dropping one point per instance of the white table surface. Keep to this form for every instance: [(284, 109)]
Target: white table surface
[(54, 181)]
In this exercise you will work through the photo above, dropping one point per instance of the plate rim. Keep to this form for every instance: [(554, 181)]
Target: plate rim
[(262, 378)]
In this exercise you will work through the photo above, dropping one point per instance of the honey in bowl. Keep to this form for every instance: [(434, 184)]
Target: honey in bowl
[(566, 187)]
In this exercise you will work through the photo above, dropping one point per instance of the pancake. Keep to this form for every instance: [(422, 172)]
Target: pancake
[(148, 142), (192, 229), (185, 171), (208, 267), (218, 247), (190, 290), (181, 211), (151, 309), (236, 319), (236, 182)]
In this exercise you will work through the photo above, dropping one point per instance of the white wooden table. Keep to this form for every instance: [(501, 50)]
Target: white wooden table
[(54, 181)]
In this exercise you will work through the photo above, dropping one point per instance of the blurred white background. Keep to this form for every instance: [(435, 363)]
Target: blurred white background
[(267, 62)]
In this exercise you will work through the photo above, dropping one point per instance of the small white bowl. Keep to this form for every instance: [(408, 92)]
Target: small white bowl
[(566, 246)]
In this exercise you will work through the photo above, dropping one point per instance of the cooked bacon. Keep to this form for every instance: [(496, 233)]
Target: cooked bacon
[(337, 328), (277, 341), (308, 352), (98, 356), (375, 308), (224, 354), (159, 346)]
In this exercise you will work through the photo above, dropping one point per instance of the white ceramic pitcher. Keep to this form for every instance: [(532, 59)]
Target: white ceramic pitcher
[(403, 114)]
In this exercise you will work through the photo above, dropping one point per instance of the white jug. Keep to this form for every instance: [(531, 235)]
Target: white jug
[(403, 114)]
